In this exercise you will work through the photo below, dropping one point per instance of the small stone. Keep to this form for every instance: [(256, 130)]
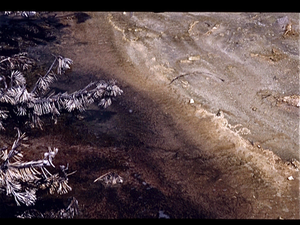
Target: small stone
[(192, 101), (290, 178), (162, 215)]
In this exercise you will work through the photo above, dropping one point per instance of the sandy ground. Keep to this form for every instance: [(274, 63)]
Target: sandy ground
[(180, 159)]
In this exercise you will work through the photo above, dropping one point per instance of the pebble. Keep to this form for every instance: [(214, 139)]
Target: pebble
[(192, 101), (290, 178), (162, 215)]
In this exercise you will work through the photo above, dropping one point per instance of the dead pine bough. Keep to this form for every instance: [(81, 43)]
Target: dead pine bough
[(21, 180), (16, 99)]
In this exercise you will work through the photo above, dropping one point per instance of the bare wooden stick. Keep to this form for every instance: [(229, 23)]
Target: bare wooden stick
[(206, 74)]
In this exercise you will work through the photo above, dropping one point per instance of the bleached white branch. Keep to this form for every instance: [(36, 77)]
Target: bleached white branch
[(22, 179), (35, 103)]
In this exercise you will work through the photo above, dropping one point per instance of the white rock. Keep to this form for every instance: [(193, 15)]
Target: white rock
[(192, 101), (290, 178)]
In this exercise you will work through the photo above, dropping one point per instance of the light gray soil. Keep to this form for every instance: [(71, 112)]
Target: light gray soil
[(240, 63)]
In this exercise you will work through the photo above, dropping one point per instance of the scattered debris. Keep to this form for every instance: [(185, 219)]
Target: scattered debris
[(67, 213), (110, 179), (216, 26), (288, 30), (238, 129), (194, 58), (293, 100), (191, 26), (295, 163), (30, 214), (275, 55), (26, 14)]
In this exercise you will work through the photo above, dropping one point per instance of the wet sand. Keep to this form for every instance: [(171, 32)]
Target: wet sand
[(176, 158)]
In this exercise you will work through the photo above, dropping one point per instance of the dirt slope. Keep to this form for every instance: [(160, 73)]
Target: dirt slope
[(177, 159)]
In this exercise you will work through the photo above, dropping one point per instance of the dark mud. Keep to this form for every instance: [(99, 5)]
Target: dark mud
[(176, 158)]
